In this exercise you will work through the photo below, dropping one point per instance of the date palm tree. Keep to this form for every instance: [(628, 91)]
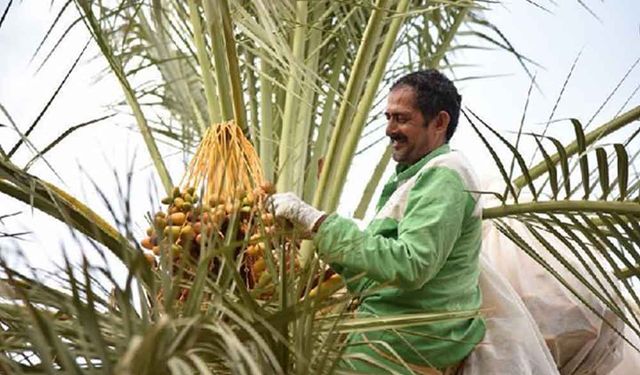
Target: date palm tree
[(302, 79)]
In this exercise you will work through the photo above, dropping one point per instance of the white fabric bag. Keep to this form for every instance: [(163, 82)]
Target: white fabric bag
[(630, 363), (579, 341), (512, 344)]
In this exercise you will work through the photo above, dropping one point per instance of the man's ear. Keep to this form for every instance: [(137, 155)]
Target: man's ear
[(442, 120)]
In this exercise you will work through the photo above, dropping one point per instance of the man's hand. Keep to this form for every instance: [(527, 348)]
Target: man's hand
[(289, 206)]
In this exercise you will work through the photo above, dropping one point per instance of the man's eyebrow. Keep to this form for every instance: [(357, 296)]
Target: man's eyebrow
[(397, 112)]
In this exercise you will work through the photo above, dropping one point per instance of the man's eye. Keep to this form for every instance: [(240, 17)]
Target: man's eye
[(387, 116), (401, 119)]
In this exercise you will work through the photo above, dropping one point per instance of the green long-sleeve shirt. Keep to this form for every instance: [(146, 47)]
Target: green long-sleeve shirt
[(422, 247)]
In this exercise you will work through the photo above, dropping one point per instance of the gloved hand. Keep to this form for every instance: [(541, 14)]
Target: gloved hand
[(289, 206)]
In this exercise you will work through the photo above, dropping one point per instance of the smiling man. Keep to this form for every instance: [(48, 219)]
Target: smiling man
[(420, 252)]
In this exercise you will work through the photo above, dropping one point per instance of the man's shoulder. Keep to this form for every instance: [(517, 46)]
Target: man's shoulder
[(450, 171), (453, 168), (454, 161)]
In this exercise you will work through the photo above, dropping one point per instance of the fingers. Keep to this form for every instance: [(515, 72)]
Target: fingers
[(289, 206), (283, 204)]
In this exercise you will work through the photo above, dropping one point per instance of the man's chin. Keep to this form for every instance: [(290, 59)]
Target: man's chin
[(398, 157)]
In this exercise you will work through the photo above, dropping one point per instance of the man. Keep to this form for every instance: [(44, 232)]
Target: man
[(420, 253)]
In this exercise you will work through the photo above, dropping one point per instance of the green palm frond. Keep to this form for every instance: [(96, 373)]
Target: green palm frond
[(83, 319), (62, 206), (587, 220), (284, 87)]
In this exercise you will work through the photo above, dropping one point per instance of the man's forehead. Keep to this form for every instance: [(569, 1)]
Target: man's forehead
[(401, 102)]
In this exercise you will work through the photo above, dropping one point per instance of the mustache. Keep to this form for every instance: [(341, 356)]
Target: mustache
[(396, 137)]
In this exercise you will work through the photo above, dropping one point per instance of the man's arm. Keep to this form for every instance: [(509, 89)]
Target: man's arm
[(427, 232)]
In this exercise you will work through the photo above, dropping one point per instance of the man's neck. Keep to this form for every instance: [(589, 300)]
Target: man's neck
[(401, 168)]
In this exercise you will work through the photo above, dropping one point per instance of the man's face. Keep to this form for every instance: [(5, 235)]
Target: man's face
[(411, 137)]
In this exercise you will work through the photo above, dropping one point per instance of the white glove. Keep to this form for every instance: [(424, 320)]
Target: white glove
[(289, 206)]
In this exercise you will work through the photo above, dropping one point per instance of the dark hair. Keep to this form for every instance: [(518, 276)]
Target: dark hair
[(434, 93)]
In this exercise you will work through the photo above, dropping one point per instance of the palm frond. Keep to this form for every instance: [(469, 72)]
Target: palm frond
[(60, 205), (4, 13), (590, 231)]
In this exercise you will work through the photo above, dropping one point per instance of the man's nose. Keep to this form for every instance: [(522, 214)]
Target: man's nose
[(391, 126)]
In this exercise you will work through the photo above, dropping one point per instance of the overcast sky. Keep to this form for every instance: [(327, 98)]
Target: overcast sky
[(608, 48)]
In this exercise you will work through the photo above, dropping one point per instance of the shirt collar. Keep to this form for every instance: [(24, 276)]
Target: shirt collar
[(405, 171)]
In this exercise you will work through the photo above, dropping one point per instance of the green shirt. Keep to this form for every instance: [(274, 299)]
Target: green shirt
[(419, 254)]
